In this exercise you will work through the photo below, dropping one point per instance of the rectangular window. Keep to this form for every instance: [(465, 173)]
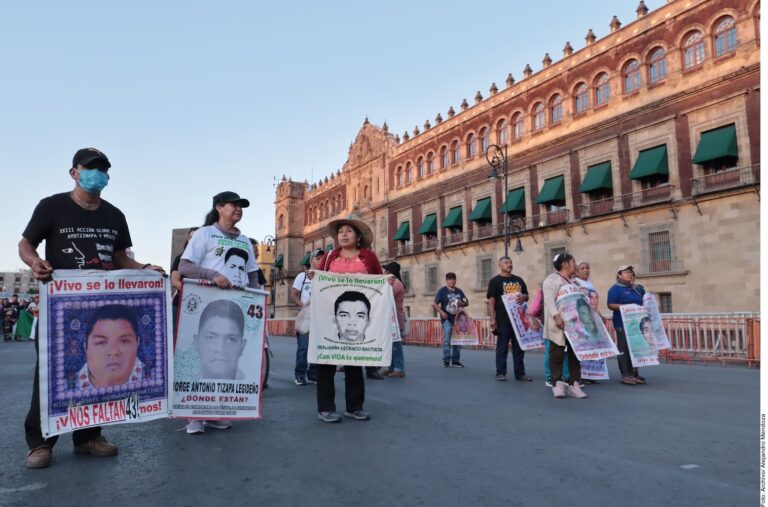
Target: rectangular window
[(551, 250), (657, 249), (431, 281), (485, 268), (406, 275), (664, 302)]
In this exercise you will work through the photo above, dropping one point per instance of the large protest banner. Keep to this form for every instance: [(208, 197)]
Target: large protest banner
[(584, 327), (594, 370), (219, 352), (640, 339), (657, 326), (527, 337), (350, 320), (464, 330), (105, 349)]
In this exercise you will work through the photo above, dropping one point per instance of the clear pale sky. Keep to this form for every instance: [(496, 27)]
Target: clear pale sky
[(189, 98)]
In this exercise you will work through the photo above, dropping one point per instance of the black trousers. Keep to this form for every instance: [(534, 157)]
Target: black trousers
[(558, 354), (625, 361), (32, 428), (354, 388)]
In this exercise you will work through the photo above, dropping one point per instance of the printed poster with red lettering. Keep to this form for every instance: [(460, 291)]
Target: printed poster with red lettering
[(106, 355), (219, 356), (584, 327)]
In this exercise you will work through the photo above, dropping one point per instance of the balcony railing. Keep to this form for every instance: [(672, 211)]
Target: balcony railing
[(649, 266), (662, 193), (727, 179), (484, 231)]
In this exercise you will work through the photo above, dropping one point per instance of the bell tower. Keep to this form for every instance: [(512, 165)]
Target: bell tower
[(289, 235)]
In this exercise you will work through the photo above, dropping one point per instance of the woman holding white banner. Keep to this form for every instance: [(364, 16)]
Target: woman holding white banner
[(352, 255), (625, 292), (220, 253), (565, 267)]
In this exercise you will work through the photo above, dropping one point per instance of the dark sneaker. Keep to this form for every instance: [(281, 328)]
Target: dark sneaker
[(501, 378), (457, 364), (446, 364), (329, 417), (40, 457), (360, 415), (300, 381), (374, 375), (97, 447)]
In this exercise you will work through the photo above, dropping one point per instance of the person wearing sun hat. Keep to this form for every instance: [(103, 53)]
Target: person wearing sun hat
[(352, 254), (625, 292)]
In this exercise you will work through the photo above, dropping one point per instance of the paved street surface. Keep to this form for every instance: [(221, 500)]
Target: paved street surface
[(438, 437)]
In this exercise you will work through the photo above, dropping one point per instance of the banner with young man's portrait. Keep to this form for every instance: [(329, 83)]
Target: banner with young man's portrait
[(584, 327), (464, 330), (105, 349), (527, 337), (657, 325), (219, 352), (639, 333), (352, 320)]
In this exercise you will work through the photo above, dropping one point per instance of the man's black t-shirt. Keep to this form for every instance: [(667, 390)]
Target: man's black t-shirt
[(497, 287), (76, 238)]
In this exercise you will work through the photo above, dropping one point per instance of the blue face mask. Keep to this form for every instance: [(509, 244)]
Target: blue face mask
[(93, 181)]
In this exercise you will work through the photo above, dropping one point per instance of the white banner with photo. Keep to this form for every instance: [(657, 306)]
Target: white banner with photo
[(528, 337), (594, 369), (584, 327), (219, 353), (639, 333), (464, 331), (352, 320), (657, 325)]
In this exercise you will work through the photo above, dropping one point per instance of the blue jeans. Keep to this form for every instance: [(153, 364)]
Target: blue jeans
[(398, 358), (449, 353), (502, 350), (303, 370), (547, 370)]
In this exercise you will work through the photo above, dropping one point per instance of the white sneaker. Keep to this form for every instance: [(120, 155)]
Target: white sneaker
[(195, 427), (219, 425), (548, 383), (575, 391)]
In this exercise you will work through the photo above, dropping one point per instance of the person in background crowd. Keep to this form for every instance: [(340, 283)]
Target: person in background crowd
[(397, 368), (301, 291), (448, 300), (260, 272), (176, 280), (55, 220), (625, 292), (352, 255), (204, 259), (502, 284), (565, 267)]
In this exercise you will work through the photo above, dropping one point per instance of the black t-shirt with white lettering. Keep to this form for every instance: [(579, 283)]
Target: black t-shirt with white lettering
[(497, 287), (76, 238)]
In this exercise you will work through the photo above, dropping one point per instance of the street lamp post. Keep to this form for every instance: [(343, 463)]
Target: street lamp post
[(497, 156)]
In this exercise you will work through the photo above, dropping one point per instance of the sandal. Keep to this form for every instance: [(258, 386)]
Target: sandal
[(640, 380), (630, 381), (501, 378)]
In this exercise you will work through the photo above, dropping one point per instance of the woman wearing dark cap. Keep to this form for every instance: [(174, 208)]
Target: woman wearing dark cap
[(397, 368), (352, 254), (220, 253)]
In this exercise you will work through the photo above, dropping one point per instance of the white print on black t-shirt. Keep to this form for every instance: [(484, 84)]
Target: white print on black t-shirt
[(76, 253), (103, 251)]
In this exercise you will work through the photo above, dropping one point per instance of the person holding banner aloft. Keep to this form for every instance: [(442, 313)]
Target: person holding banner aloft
[(625, 292), (220, 253), (81, 231), (502, 284), (352, 255), (559, 349)]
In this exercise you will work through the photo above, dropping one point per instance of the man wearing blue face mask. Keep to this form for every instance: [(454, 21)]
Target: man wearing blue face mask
[(81, 231)]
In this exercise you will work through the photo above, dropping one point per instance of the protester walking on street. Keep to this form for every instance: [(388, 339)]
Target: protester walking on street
[(502, 284), (625, 292), (304, 373), (397, 368), (559, 349), (220, 253), (448, 300), (56, 220)]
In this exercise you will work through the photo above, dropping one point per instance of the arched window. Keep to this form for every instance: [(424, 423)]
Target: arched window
[(420, 167), (657, 65), (602, 89), (408, 173), (693, 50), (366, 194), (471, 146), (502, 132), (518, 126), (455, 152), (399, 177), (631, 76), (581, 98), (280, 221), (327, 209), (485, 139), (538, 116), (725, 36), (556, 108), (444, 160), (430, 162)]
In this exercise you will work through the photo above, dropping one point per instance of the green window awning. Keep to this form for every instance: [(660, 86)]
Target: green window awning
[(552, 191), (454, 219), (305, 259), (717, 143), (482, 211), (598, 177), (329, 247), (279, 261), (403, 233), (429, 226), (650, 162), (515, 202)]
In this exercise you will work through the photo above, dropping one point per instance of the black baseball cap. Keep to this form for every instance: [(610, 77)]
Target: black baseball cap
[(450, 275), (90, 158), (225, 197)]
